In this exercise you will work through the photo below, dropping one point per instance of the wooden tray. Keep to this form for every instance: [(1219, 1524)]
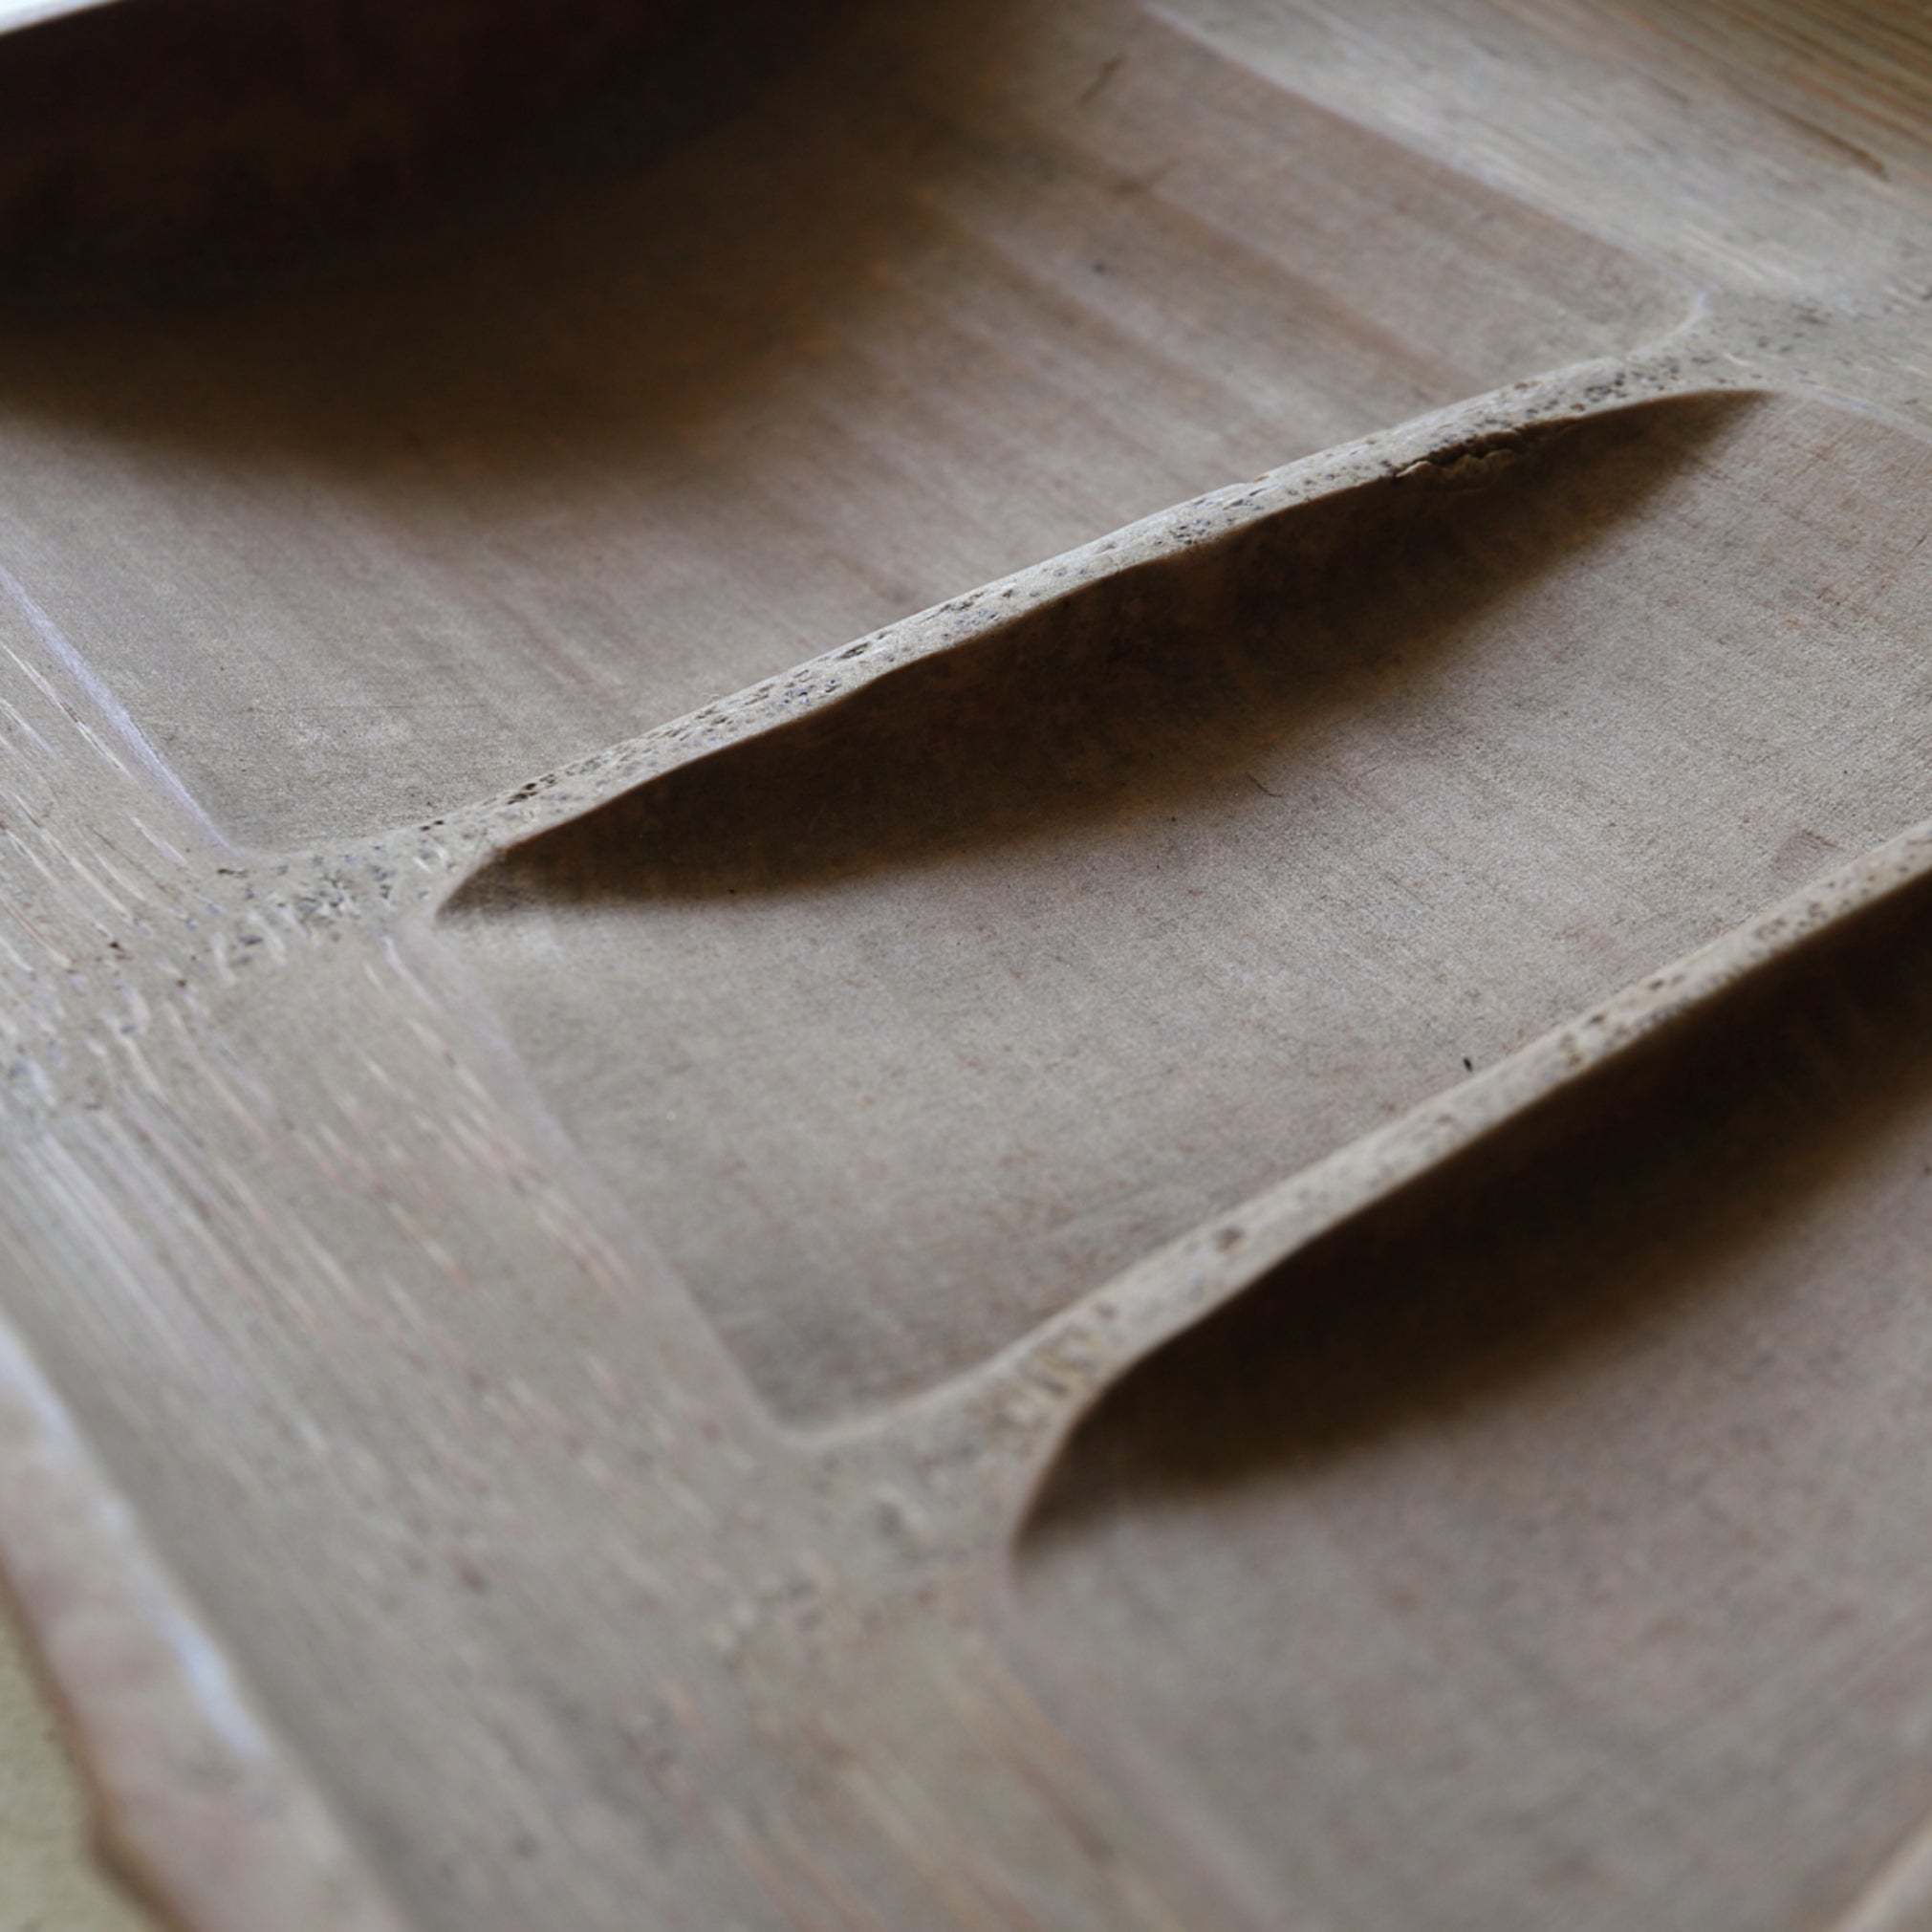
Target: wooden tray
[(724, 1206)]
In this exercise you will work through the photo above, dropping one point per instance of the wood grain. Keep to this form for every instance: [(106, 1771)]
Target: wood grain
[(981, 989)]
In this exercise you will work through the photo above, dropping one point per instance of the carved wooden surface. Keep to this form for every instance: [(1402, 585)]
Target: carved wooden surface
[(990, 994)]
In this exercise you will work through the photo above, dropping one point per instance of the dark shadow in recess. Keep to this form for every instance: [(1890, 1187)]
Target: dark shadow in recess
[(1537, 1249), (1142, 687), (468, 239), (178, 147)]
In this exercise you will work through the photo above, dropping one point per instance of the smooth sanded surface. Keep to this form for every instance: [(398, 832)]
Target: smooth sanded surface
[(901, 1030), (960, 286)]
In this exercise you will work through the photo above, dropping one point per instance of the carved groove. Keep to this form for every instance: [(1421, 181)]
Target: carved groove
[(972, 1045), (1457, 1566)]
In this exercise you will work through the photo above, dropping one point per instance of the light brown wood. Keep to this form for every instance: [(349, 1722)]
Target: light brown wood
[(48, 1874), (977, 984)]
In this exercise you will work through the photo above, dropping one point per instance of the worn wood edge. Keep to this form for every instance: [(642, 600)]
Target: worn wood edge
[(1008, 1418), (978, 1449), (196, 1806), (1719, 349), (463, 844)]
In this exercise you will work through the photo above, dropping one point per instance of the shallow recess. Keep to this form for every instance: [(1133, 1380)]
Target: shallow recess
[(902, 1025), (1548, 1547), (743, 366)]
